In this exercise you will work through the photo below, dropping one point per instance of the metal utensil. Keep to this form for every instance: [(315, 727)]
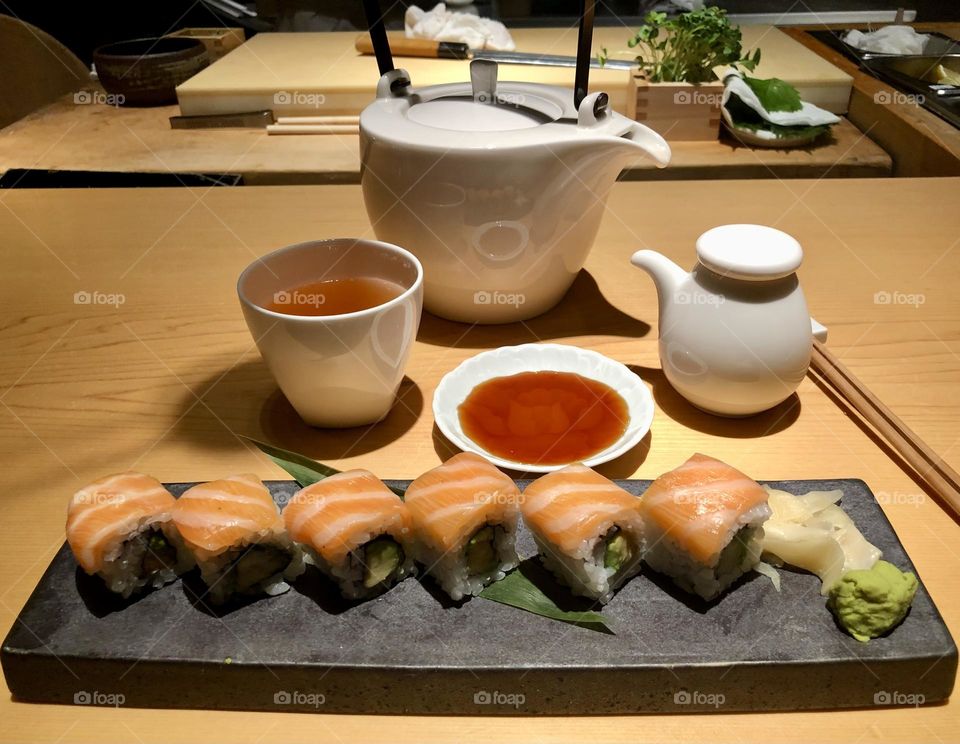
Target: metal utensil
[(245, 119), (404, 47)]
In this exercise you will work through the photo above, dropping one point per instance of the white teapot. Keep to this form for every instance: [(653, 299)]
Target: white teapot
[(497, 187), (735, 333)]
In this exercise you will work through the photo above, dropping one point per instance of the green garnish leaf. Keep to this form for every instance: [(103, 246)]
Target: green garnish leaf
[(517, 590), (775, 94), (305, 471)]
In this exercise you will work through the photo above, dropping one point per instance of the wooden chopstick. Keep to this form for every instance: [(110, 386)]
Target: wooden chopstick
[(355, 120), (313, 129), (943, 479)]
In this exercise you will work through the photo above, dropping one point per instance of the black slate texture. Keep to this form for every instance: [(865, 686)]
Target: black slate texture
[(413, 651)]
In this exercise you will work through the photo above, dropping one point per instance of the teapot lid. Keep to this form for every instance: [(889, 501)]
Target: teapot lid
[(752, 252), (491, 113)]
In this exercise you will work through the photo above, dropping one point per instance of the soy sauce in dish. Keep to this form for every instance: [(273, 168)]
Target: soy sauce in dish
[(543, 418), (335, 296)]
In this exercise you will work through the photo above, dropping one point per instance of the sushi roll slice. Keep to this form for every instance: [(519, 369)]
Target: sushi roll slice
[(355, 530), (465, 519), (704, 525), (120, 528), (588, 530), (236, 534)]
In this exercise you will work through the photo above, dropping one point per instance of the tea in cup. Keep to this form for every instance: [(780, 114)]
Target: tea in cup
[(335, 321)]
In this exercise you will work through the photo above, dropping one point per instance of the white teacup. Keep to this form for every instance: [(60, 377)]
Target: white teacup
[(336, 370)]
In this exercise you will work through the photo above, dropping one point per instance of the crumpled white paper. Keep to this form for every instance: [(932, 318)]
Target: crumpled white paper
[(888, 40), (441, 24)]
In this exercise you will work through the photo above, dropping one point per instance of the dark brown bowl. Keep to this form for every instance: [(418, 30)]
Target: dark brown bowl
[(146, 72)]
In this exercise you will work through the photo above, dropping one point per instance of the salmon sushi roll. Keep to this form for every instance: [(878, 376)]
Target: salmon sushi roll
[(355, 530), (465, 518), (704, 525), (588, 530), (120, 529), (235, 532)]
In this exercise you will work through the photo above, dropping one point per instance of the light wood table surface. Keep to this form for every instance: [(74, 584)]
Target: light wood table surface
[(97, 137), (166, 381)]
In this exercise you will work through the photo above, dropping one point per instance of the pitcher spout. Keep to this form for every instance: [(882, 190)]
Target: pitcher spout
[(666, 275)]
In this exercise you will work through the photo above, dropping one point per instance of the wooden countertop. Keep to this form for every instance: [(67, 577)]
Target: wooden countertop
[(95, 137), (166, 378)]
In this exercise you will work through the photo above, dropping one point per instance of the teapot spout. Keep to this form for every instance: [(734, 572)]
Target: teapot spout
[(595, 110), (666, 275), (650, 143)]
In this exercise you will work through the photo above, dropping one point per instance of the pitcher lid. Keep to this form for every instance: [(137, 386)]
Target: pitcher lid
[(753, 252)]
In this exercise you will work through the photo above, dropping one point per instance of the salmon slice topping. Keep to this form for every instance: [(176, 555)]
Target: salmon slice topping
[(574, 504), (451, 502), (700, 502), (108, 510), (215, 516), (338, 514)]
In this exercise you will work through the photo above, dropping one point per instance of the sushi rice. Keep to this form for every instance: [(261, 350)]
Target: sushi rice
[(452, 568), (237, 537), (119, 528), (587, 529), (262, 563), (355, 530), (465, 515), (126, 563), (704, 523), (709, 578)]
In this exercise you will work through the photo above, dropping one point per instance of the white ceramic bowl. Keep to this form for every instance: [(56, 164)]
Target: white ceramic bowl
[(510, 360)]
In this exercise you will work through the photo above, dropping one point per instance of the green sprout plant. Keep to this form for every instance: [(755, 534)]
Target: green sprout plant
[(686, 48)]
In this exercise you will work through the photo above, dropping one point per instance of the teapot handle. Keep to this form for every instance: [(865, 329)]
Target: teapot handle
[(594, 110), (394, 84)]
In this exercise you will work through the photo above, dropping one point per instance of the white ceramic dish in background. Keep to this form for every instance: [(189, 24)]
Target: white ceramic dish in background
[(336, 370), (511, 360), (748, 138)]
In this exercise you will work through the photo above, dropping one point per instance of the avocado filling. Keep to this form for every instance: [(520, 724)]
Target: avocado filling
[(381, 558), (735, 553), (159, 554), (258, 564), (618, 551), (481, 551)]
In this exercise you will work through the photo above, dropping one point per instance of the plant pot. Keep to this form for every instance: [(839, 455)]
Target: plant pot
[(679, 112)]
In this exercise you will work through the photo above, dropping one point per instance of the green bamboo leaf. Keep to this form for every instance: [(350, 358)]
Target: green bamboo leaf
[(517, 590), (304, 470)]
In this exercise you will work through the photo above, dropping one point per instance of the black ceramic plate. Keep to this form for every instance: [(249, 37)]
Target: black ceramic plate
[(412, 651)]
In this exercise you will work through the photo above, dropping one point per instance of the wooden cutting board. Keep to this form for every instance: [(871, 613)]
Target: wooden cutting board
[(298, 74)]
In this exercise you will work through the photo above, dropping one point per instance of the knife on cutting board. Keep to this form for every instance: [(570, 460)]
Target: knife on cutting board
[(404, 47)]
